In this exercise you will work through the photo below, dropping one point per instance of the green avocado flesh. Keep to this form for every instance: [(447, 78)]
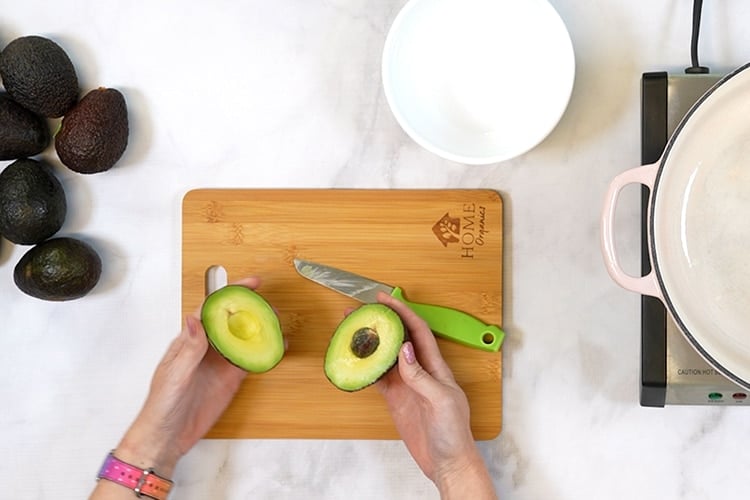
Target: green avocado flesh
[(364, 347), (243, 328)]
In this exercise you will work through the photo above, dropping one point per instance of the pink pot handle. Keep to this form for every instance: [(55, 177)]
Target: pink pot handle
[(645, 285)]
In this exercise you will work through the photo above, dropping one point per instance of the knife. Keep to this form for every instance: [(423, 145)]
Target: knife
[(445, 322)]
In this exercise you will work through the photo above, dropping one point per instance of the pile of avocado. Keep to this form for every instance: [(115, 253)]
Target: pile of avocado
[(40, 85)]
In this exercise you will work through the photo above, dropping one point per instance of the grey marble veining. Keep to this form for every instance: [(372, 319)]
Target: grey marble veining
[(288, 94)]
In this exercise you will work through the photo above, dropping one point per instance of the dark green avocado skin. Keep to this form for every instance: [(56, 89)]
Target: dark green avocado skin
[(58, 269), (32, 202), (22, 133), (39, 75), (94, 134)]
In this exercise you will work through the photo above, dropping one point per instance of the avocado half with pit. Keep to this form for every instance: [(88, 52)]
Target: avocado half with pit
[(364, 347), (243, 328)]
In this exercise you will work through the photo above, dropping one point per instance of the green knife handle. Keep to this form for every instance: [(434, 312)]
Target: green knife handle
[(456, 325)]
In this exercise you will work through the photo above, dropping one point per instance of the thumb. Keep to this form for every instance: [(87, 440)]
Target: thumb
[(415, 376), (195, 343)]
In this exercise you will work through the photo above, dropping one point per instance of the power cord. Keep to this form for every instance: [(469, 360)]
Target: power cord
[(696, 68)]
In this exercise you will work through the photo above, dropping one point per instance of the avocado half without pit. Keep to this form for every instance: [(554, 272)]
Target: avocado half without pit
[(364, 347), (243, 328)]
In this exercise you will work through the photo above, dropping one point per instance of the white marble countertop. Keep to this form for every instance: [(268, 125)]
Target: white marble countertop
[(287, 94)]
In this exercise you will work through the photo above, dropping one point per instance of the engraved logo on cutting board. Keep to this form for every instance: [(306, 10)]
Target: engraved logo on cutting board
[(467, 231), (447, 229)]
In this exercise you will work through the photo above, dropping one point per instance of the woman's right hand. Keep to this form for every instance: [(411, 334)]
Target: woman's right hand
[(431, 413)]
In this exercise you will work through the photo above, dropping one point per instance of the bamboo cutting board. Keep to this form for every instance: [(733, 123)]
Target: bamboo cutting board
[(441, 246)]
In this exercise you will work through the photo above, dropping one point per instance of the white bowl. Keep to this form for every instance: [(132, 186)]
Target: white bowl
[(478, 81)]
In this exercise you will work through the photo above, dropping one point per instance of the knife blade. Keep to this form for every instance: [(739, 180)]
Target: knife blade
[(445, 322)]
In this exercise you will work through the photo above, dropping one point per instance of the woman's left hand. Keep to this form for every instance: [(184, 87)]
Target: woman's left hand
[(191, 388)]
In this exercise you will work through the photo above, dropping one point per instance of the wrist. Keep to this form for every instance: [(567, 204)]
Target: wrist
[(466, 477), (148, 448)]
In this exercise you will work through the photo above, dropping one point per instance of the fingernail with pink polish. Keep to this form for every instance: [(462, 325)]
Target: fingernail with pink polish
[(408, 349)]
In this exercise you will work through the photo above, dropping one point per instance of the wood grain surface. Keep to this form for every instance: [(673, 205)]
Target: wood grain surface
[(441, 246)]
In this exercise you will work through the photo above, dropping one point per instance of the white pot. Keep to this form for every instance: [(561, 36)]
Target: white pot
[(699, 227)]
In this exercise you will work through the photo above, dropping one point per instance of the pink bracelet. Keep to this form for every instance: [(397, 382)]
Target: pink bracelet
[(144, 482)]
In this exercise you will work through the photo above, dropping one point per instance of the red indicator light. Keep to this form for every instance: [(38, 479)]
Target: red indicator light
[(739, 395)]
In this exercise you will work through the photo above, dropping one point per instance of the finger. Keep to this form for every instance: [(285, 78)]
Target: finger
[(388, 379), (420, 334), (415, 376), (196, 343), (185, 352), (251, 282)]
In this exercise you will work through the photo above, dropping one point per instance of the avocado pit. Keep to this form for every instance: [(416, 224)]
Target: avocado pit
[(365, 341)]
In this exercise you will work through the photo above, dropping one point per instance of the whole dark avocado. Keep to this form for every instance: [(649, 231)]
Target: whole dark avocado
[(94, 134), (39, 75), (58, 269), (32, 202), (22, 133)]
